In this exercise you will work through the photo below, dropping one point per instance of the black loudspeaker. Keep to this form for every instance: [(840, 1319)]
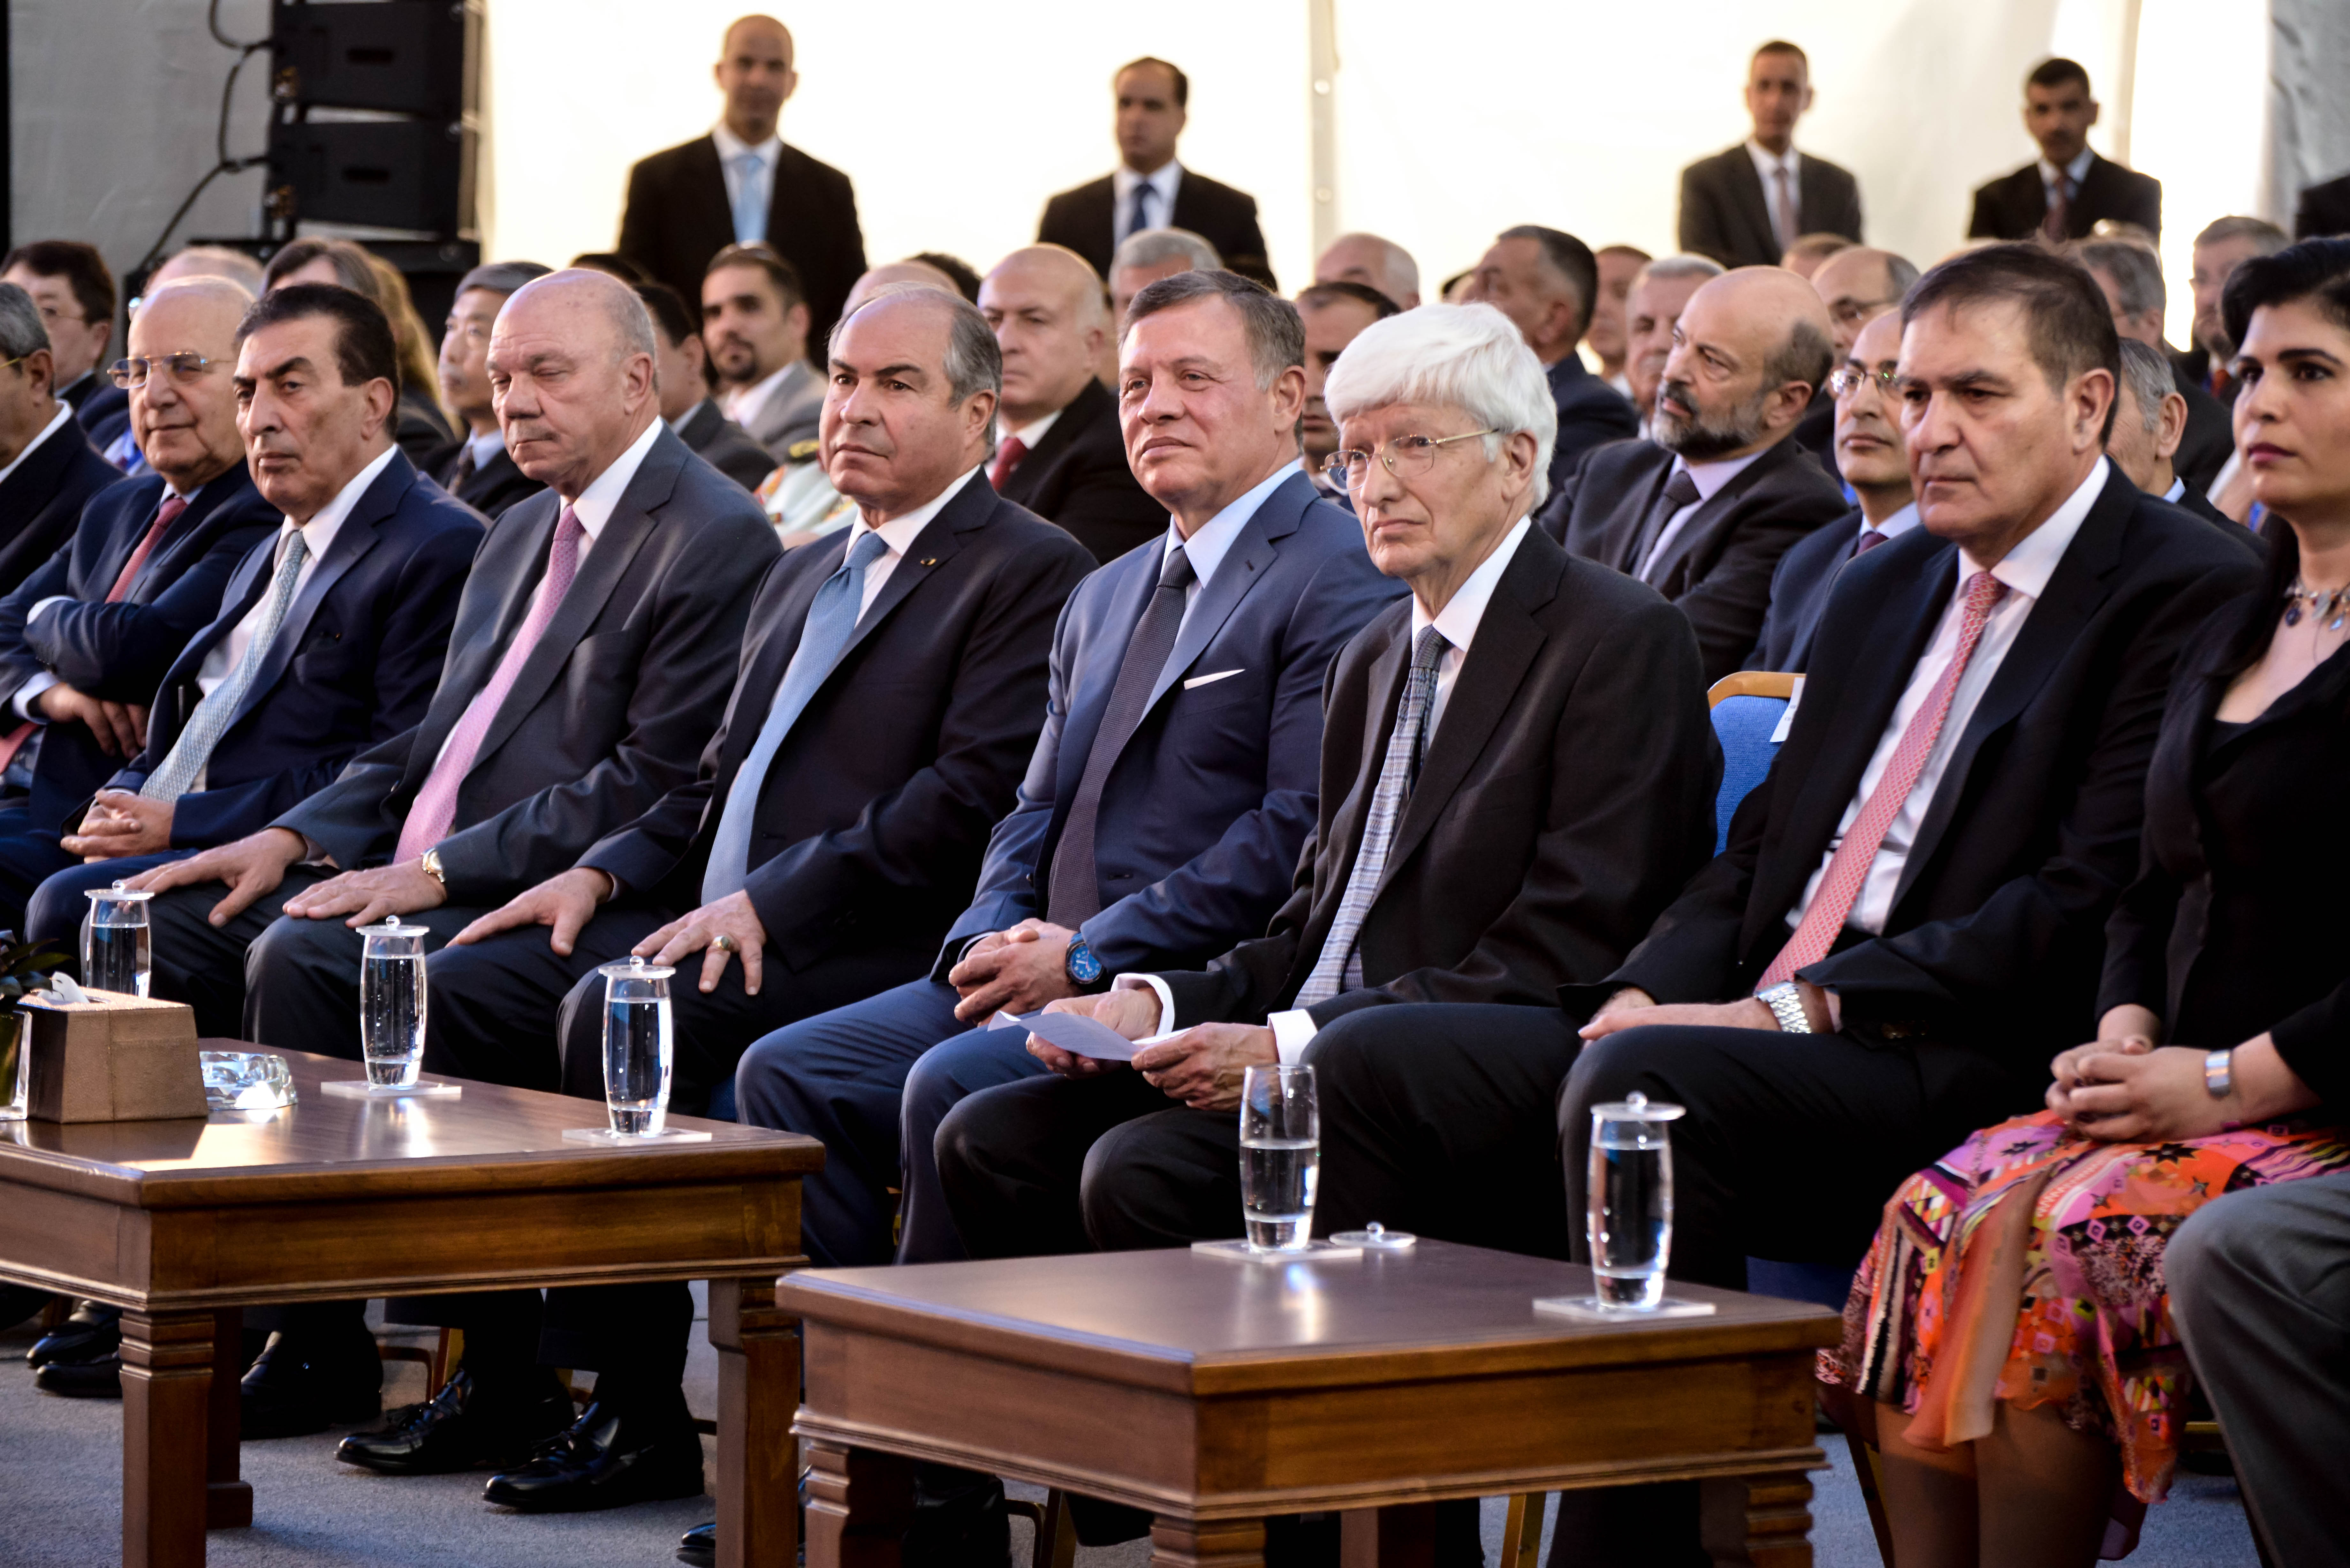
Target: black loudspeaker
[(411, 69)]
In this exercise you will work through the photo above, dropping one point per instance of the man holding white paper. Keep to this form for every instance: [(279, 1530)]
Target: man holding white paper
[(1516, 768)]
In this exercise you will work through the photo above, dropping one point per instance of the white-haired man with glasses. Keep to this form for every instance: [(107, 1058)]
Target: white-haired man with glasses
[(1516, 766)]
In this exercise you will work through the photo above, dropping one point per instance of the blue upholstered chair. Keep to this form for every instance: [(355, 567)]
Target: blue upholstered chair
[(1747, 708)]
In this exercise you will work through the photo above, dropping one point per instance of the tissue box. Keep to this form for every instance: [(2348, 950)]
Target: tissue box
[(114, 1058)]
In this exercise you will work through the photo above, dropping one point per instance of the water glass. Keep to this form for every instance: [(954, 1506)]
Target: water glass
[(118, 951), (1631, 1202), (1280, 1156), (393, 1003), (15, 1067), (638, 1052)]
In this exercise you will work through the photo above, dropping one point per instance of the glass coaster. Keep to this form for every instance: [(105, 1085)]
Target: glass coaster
[(360, 1089), (246, 1081), (1242, 1252), (631, 1140), (1377, 1238), (1588, 1309)]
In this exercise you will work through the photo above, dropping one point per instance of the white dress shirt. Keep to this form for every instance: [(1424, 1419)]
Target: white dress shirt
[(487, 446), (731, 149), (1162, 180), (1893, 528), (1709, 478), (1767, 164), (2178, 490), (1029, 434), (2025, 570), (742, 404), (2076, 170), (896, 534), (56, 421)]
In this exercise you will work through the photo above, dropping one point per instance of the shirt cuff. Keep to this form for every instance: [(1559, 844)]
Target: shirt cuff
[(1166, 1024), (39, 605), (1292, 1031), (29, 692)]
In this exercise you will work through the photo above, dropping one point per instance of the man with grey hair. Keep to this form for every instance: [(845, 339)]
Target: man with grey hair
[(1650, 307), (1515, 672), (2225, 244), (2130, 276), (48, 469), (2149, 423), (1144, 257), (1548, 283), (1374, 262), (479, 471), (1704, 508)]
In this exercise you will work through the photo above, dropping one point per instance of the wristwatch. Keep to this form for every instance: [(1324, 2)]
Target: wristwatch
[(430, 864), (2219, 1072), (1085, 971), (1786, 1001)]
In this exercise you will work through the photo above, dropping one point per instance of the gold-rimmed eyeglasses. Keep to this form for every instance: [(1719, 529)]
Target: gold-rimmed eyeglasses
[(1847, 382), (184, 368), (1406, 457)]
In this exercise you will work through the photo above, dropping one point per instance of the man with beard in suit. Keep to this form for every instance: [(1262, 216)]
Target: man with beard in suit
[(480, 473)]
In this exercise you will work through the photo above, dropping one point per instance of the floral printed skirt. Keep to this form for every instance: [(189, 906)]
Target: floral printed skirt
[(2026, 1265)]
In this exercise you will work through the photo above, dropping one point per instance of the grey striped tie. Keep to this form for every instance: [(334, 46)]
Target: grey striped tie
[(210, 719)]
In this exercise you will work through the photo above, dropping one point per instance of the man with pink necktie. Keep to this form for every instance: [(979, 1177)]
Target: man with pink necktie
[(1748, 206)]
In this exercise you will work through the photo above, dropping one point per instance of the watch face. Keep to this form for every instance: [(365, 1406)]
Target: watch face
[(1084, 968)]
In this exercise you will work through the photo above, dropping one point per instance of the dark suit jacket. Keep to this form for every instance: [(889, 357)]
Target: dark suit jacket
[(2210, 438), (1725, 215), (1997, 929), (1590, 413), (676, 218), (98, 401), (121, 651), (610, 709), (1816, 433), (1085, 220), (2195, 501), (2014, 206), (2223, 935), (490, 489), (1078, 478), (42, 500), (2324, 210), (1799, 592), (1203, 815), (1719, 569), (1564, 797), (725, 445), (872, 819), (353, 663)]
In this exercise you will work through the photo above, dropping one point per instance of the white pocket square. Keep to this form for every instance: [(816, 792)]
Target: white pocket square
[(1208, 680)]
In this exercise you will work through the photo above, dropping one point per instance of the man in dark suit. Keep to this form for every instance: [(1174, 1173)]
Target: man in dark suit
[(2324, 210), (1173, 786), (2223, 245), (69, 282), (1875, 467), (1703, 510), (2070, 189), (743, 184), (1857, 284), (1335, 314), (48, 469), (330, 632), (685, 401), (479, 471), (142, 573), (2149, 422), (1545, 281), (889, 692), (1516, 775), (1150, 190), (1749, 205), (2130, 276), (755, 332), (1058, 452)]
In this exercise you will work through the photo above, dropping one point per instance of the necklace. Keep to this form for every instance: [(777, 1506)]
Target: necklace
[(2329, 605)]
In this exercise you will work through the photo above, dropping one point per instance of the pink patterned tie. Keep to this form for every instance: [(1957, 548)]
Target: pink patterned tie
[(436, 803), (1848, 870)]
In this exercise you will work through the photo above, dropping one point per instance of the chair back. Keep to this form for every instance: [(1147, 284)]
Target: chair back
[(1747, 708)]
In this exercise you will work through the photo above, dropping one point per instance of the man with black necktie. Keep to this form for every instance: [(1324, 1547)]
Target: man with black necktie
[(1546, 282), (2071, 188), (1749, 205), (744, 184), (1150, 190), (1703, 510), (1876, 466), (1058, 450), (48, 469), (480, 473)]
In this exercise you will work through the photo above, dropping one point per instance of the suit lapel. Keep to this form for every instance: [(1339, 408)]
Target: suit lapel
[(1082, 411), (353, 540), (1241, 568), (132, 527), (1383, 693), (1098, 678), (756, 688), (1698, 534), (1746, 188), (939, 542)]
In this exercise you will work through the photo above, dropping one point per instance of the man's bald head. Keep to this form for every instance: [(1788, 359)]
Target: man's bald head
[(572, 376), (1749, 351), (881, 278), (186, 428), (754, 70), (1045, 307), (1858, 284), (1374, 263)]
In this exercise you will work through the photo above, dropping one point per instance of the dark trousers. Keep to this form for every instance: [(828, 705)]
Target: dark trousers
[(948, 1074), (27, 858), (196, 961)]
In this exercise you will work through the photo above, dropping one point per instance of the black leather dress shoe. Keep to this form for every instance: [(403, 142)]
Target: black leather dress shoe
[(607, 1459), (94, 1333), (297, 1388), (464, 1426), (100, 1379), (698, 1547)]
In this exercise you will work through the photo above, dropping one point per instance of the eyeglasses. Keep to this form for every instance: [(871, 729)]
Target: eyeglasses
[(51, 314), (1858, 312), (1846, 382), (1406, 457), (186, 368)]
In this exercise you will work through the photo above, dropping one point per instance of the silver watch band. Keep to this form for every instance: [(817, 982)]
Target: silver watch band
[(1786, 1001), (2219, 1072)]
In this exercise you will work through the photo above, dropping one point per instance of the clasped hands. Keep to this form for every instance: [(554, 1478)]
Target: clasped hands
[(2126, 1088), (1201, 1067)]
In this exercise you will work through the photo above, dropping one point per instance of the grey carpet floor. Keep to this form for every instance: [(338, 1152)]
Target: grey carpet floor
[(60, 1503)]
